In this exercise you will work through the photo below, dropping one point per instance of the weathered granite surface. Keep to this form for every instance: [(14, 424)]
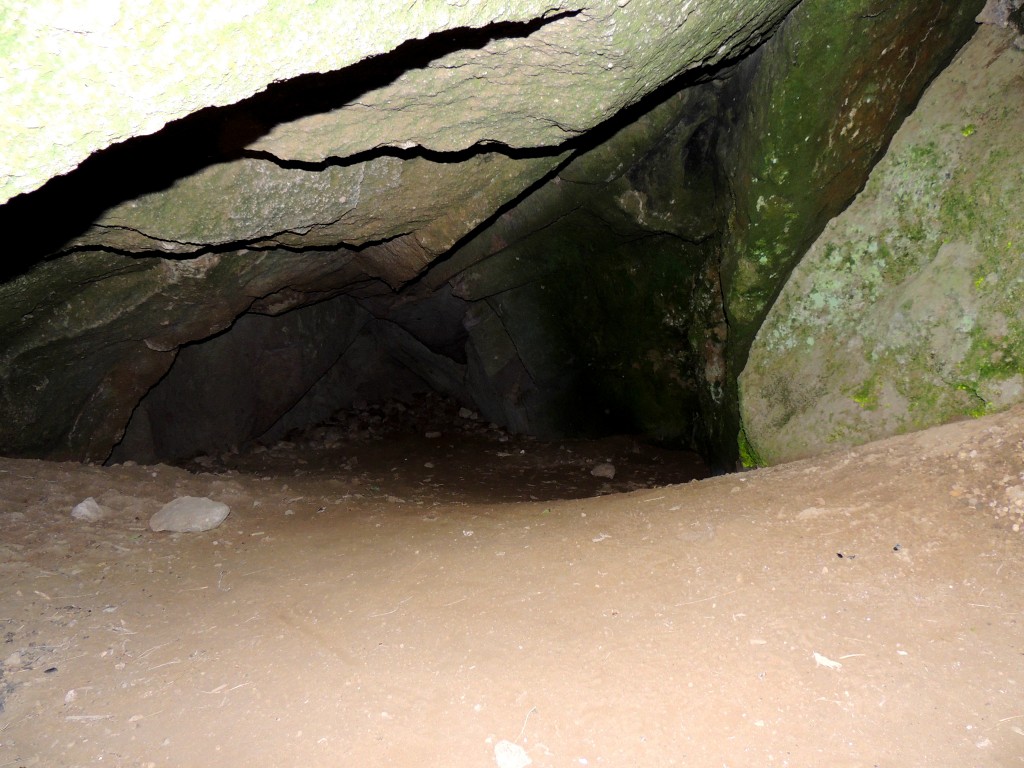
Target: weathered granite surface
[(906, 312)]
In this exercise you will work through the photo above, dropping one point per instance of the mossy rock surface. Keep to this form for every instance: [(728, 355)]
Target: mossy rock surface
[(906, 313), (819, 104)]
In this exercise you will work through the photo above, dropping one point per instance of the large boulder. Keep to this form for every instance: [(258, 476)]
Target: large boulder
[(810, 114), (906, 312)]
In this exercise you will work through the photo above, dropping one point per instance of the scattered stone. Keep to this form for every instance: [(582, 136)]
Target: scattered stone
[(13, 661), (509, 755), (89, 510), (189, 514), (430, 414), (605, 470)]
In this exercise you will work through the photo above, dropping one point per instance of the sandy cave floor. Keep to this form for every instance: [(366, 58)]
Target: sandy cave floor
[(865, 609)]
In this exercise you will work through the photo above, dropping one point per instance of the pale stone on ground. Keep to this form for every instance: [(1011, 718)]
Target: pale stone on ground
[(189, 514)]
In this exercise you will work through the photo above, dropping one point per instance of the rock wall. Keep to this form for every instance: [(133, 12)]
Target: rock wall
[(359, 164), (580, 293), (574, 218), (466, 72), (906, 312), (811, 113)]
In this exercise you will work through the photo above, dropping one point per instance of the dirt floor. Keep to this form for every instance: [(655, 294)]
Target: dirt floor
[(473, 600)]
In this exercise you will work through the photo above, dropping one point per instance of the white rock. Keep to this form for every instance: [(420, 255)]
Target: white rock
[(509, 755), (190, 514), (13, 661), (89, 510), (604, 470)]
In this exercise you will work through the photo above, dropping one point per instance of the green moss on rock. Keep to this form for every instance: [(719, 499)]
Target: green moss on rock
[(913, 295), (821, 103)]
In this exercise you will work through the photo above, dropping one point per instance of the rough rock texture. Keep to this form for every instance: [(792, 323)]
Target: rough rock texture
[(525, 202), (579, 294), (906, 313), (204, 401), (537, 320), (817, 106), (354, 180), (117, 71), (85, 337)]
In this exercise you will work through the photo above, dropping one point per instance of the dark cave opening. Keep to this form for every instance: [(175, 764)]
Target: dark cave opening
[(318, 384), (560, 316)]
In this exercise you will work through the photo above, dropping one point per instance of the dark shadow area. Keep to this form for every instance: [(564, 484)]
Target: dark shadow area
[(606, 390), (424, 448)]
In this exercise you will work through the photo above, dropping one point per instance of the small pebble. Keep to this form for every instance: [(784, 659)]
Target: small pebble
[(89, 511), (509, 755), (189, 514)]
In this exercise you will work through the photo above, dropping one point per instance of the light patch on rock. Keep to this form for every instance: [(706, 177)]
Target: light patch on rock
[(606, 470)]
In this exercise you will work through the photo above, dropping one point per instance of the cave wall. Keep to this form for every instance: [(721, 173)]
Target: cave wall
[(536, 321), (221, 393), (353, 177), (579, 293), (268, 375), (675, 265), (573, 218), (906, 312)]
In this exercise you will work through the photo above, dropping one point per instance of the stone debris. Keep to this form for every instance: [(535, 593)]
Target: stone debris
[(427, 412), (89, 511), (430, 414), (606, 470), (189, 514), (509, 755)]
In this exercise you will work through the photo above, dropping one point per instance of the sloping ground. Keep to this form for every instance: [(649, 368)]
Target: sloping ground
[(862, 609)]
